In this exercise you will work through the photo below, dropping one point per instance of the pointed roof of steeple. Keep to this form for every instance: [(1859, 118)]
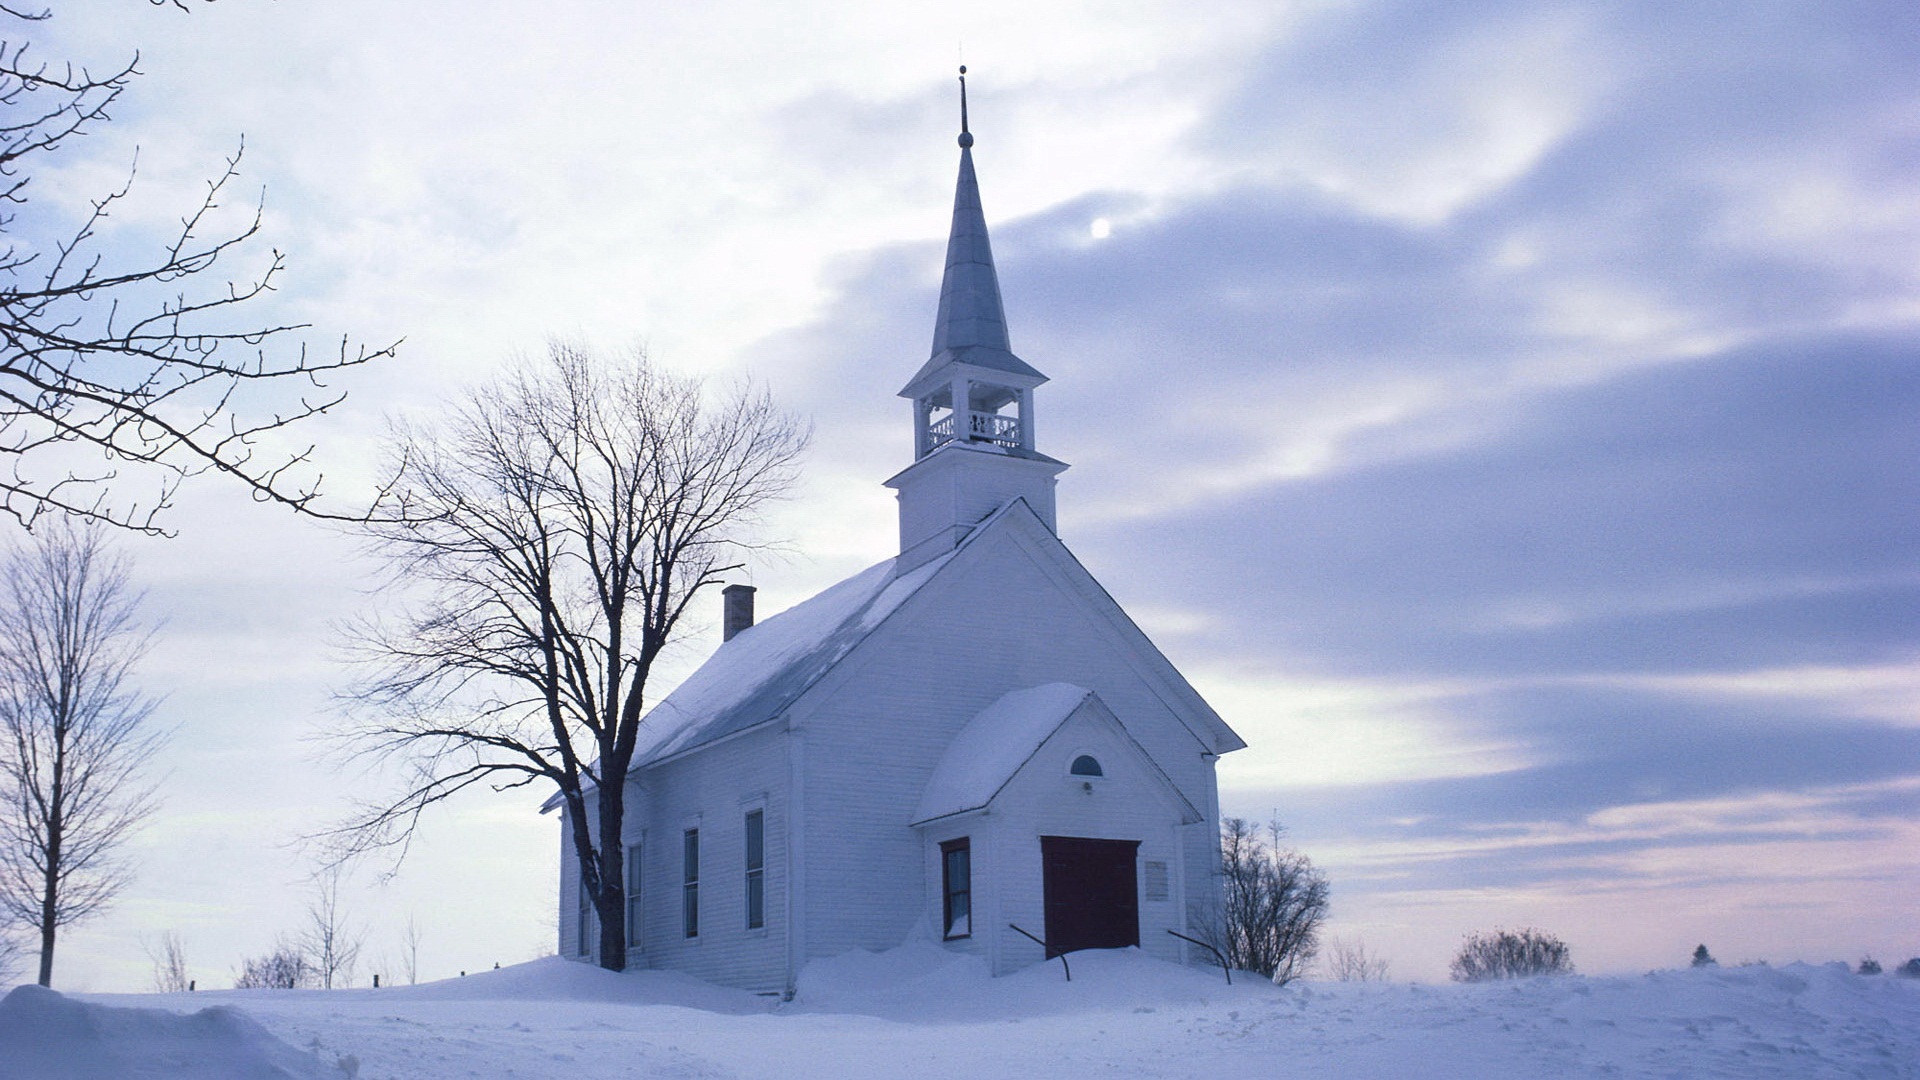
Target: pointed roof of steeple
[(971, 327)]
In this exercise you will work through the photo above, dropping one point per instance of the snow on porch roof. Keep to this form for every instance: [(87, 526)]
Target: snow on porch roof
[(993, 746), (766, 666)]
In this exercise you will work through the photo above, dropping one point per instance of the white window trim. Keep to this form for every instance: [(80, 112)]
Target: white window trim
[(636, 893), (1098, 759), (693, 824), (748, 805)]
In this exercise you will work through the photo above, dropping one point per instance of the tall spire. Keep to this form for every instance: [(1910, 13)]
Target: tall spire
[(970, 310), (973, 434)]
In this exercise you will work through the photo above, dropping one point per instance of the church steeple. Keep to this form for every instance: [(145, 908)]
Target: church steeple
[(971, 314), (973, 421)]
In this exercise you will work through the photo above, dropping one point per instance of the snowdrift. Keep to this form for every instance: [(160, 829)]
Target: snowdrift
[(554, 979), (930, 1014), (47, 1036)]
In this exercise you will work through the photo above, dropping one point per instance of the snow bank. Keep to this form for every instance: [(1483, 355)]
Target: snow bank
[(553, 978), (922, 982), (47, 1036), (923, 1012)]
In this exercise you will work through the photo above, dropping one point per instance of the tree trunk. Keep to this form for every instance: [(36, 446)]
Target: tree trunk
[(612, 901), (50, 887), (46, 953)]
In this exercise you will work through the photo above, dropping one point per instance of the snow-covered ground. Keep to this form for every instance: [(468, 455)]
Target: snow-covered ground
[(923, 1013)]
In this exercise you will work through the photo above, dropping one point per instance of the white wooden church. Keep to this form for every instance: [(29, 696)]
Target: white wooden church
[(968, 737)]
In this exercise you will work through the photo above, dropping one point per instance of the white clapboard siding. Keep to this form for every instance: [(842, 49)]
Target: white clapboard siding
[(994, 620), (1009, 611)]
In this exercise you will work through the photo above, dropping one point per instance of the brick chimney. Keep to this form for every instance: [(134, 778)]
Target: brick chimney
[(736, 610)]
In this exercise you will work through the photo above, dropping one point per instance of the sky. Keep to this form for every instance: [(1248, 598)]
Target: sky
[(1505, 414)]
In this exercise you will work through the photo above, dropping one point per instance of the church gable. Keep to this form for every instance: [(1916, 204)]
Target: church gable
[(997, 602), (1061, 731)]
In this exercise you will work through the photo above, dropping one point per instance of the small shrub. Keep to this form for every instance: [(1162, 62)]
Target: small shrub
[(1505, 954), (1909, 970), (285, 968), (1703, 958), (1868, 966)]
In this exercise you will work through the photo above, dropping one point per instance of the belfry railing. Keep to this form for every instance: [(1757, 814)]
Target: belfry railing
[(981, 427), (994, 428)]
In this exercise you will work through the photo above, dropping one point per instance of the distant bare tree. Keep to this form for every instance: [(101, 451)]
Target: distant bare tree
[(551, 534), (74, 736), (285, 968), (331, 944), (13, 951), (1349, 961), (1275, 902), (138, 369), (410, 950), (1508, 954), (169, 956)]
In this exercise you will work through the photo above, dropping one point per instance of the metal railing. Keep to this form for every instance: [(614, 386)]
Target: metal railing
[(1051, 955), (1217, 955)]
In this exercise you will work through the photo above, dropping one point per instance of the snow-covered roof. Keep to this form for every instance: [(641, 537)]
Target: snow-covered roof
[(766, 666), (993, 746)]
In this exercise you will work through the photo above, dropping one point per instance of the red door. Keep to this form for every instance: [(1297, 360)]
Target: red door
[(1091, 891)]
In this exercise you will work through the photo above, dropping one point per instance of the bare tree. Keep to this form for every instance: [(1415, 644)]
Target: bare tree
[(1349, 961), (74, 735), (331, 943), (169, 956), (1509, 954), (122, 368), (551, 535), (1275, 902), (13, 951), (410, 944)]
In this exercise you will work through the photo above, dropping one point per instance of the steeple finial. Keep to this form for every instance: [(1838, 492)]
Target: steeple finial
[(966, 137)]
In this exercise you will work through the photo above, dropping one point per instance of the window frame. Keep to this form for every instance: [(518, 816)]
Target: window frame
[(755, 898), (690, 883), (963, 847), (636, 877)]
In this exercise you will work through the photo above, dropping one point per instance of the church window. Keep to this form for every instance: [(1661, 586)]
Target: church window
[(690, 883), (1085, 765), (633, 896), (956, 873), (756, 869)]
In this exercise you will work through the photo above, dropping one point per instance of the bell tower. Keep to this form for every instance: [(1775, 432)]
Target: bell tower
[(973, 423)]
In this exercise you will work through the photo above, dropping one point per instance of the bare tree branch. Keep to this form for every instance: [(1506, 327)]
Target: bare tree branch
[(551, 534), (113, 376)]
